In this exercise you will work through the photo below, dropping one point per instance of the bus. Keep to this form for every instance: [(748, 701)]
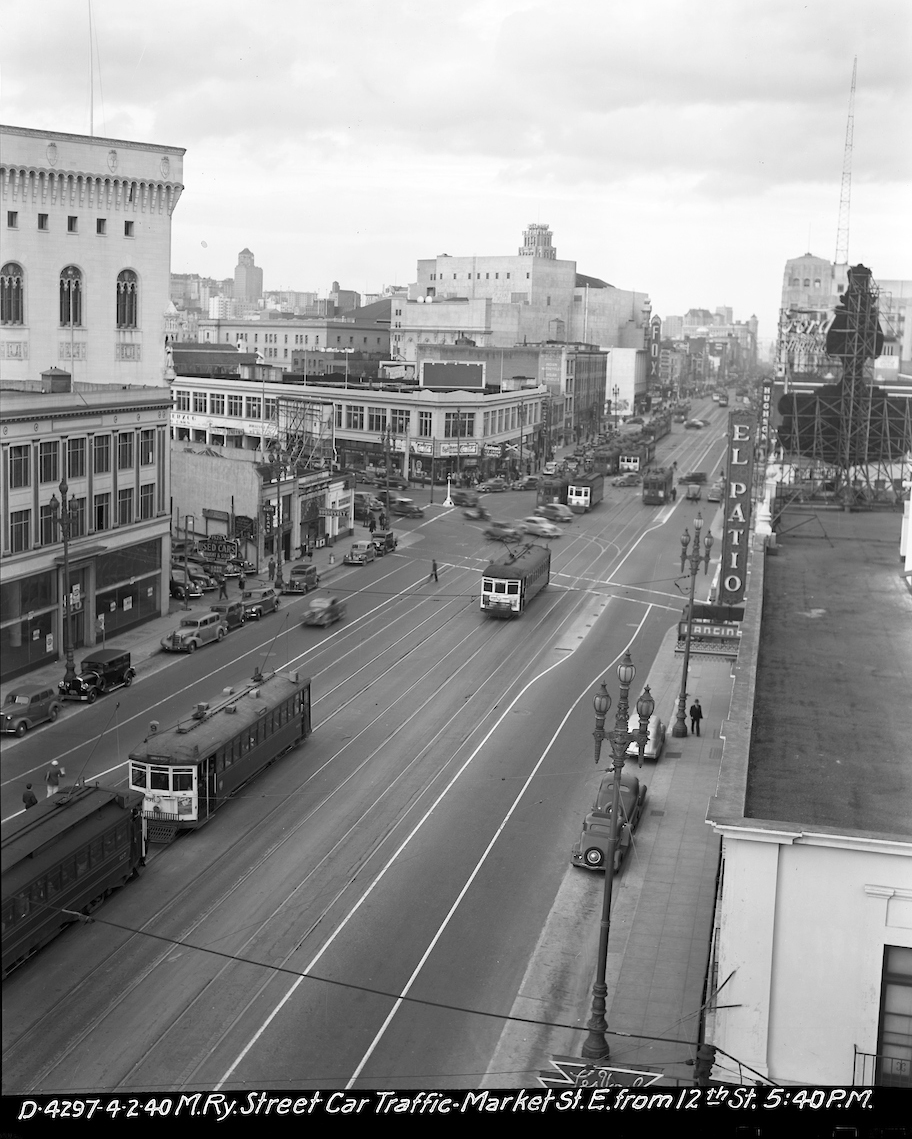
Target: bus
[(658, 486), (510, 583), (62, 858), (188, 771), (637, 456)]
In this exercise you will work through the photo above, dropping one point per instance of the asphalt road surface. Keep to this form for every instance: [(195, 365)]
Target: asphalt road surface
[(362, 914)]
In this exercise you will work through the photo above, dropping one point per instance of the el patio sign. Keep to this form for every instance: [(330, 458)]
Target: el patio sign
[(736, 531)]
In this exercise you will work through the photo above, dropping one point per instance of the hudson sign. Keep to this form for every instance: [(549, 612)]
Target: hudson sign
[(736, 533)]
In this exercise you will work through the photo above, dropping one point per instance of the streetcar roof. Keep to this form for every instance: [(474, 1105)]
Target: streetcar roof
[(518, 565), (194, 737)]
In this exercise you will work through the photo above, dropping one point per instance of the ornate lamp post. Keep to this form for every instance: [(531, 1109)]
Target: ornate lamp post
[(693, 558), (596, 1046), (62, 517)]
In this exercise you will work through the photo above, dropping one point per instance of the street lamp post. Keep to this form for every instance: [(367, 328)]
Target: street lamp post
[(61, 513), (693, 558), (596, 1046)]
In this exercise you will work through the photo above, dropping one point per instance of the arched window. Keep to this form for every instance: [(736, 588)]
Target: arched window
[(127, 297), (71, 297), (807, 282), (11, 294)]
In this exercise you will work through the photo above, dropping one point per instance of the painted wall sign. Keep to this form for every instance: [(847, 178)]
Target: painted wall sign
[(742, 428)]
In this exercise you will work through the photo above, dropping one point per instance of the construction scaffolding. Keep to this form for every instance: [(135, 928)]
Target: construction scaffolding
[(846, 435), (304, 438)]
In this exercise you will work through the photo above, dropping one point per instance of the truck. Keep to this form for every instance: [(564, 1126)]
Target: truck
[(584, 492)]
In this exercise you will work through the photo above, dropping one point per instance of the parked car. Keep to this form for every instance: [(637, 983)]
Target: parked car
[(27, 706), (407, 508), (258, 602), (360, 554), (193, 632), (182, 592), (324, 611), (655, 737), (100, 672), (301, 579), (631, 478), (555, 512), (634, 419), (693, 476), (541, 527), (503, 531), (492, 486), (716, 492), (233, 613), (464, 497), (550, 468), (384, 541), (196, 572), (591, 851)]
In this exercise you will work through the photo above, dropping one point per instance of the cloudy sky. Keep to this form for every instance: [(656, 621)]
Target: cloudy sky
[(683, 149)]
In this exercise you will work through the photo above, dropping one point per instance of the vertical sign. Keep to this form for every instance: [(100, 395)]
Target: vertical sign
[(765, 409), (735, 535)]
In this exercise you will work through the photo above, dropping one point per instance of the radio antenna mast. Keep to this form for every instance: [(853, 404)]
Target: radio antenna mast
[(845, 195)]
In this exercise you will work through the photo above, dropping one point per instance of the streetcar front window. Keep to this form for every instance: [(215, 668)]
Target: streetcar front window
[(513, 587), (500, 586), (138, 774), (487, 585), (182, 780), (158, 779)]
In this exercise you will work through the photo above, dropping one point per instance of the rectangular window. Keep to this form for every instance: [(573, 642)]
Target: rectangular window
[(20, 521), (425, 424), (146, 448), (272, 409), (128, 228), (125, 451), (76, 458), (47, 524), (236, 405), (102, 455), (376, 419), (77, 517), (254, 407), (48, 469), (12, 219), (337, 414), (102, 512), (399, 421), (354, 417), (199, 403), (181, 401), (101, 226), (216, 404), (19, 466), (125, 506), (72, 224), (894, 1039), (43, 222), (147, 500)]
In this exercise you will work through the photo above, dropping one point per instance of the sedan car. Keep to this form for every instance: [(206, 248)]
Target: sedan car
[(182, 592), (541, 527), (693, 425), (693, 476), (503, 531), (259, 601), (591, 851), (655, 739), (715, 492), (630, 479), (492, 485), (554, 512), (407, 507), (527, 482)]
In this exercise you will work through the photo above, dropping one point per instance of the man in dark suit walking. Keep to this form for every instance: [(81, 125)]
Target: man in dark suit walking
[(696, 715)]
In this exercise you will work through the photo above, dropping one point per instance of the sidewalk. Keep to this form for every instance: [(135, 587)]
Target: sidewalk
[(662, 909), (143, 642)]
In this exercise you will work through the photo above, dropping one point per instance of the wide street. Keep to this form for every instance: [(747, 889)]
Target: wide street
[(363, 913)]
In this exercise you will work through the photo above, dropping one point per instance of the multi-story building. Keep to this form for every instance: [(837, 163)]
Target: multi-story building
[(248, 278), (86, 238), (109, 445), (499, 302)]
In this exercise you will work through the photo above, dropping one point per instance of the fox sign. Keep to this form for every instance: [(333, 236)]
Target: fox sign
[(736, 532)]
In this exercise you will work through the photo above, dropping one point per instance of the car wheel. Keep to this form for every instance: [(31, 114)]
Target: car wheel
[(191, 648), (594, 856), (92, 696), (54, 713), (21, 728), (220, 634), (128, 679)]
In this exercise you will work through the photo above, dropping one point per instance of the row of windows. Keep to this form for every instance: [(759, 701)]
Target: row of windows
[(468, 276), (300, 339), (76, 455), (61, 878), (796, 282), (48, 518), (71, 292), (215, 403), (44, 224)]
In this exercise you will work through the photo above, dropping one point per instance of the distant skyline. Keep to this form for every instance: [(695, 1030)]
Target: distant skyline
[(684, 151)]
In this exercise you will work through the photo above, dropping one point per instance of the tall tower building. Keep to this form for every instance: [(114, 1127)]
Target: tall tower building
[(537, 242), (248, 279)]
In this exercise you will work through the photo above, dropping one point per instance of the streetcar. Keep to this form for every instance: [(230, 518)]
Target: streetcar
[(605, 460), (659, 426), (585, 491), (188, 771), (61, 858), (510, 583), (638, 456), (551, 488), (658, 486)]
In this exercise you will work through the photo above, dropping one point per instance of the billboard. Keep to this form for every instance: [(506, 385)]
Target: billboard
[(440, 374)]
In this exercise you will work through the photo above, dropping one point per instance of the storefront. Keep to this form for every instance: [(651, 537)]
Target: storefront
[(28, 616)]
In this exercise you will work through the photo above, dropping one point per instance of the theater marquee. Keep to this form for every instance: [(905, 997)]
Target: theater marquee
[(742, 429)]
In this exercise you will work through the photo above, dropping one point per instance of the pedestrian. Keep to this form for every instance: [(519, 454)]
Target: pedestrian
[(696, 715), (272, 569), (433, 573), (223, 587), (54, 774), (242, 582), (674, 494), (29, 797), (372, 525)]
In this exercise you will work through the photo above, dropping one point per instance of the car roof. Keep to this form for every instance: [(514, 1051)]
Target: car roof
[(29, 690), (104, 656)]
